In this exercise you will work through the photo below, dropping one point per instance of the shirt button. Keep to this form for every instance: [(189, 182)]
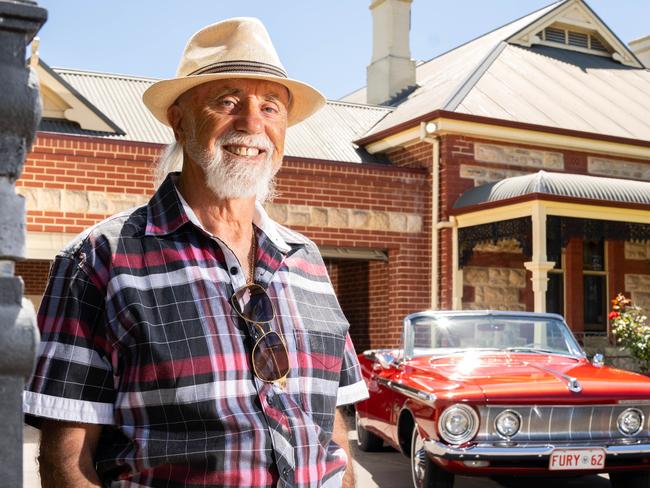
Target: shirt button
[(269, 400), (285, 472), (234, 270)]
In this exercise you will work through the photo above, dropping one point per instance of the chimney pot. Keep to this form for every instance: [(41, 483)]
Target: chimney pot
[(641, 48)]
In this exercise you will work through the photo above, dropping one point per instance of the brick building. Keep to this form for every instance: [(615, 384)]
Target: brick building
[(511, 172)]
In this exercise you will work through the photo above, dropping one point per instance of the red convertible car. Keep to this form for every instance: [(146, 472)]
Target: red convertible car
[(503, 393)]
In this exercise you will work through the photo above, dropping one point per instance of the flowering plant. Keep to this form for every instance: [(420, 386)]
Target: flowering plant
[(629, 325)]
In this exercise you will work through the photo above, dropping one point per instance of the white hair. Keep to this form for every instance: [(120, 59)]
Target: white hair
[(169, 161)]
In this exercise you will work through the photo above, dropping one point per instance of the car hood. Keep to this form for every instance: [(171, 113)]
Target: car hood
[(526, 378)]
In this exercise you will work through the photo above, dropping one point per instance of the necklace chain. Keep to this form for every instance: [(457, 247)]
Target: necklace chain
[(251, 259)]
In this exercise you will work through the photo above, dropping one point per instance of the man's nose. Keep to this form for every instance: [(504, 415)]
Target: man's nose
[(249, 118)]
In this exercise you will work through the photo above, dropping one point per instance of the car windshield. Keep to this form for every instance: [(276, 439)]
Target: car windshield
[(440, 335)]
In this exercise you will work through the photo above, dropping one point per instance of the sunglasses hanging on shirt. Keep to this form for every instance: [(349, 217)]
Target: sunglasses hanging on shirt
[(269, 356)]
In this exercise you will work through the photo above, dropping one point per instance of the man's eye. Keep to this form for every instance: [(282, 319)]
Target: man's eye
[(270, 109), (227, 103)]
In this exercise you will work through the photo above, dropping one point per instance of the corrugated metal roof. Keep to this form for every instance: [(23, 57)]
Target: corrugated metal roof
[(559, 184), (540, 85), (120, 98), (441, 77), (564, 89), (327, 135)]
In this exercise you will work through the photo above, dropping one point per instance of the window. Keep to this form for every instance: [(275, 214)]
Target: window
[(555, 289), (594, 286), (581, 40), (555, 293), (578, 39)]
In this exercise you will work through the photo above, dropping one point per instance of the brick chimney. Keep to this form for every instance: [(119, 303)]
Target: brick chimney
[(641, 48), (391, 69)]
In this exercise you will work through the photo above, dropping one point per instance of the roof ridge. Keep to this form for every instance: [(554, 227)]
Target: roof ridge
[(475, 75), (540, 180), (360, 105)]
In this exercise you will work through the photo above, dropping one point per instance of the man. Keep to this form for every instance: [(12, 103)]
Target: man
[(193, 341)]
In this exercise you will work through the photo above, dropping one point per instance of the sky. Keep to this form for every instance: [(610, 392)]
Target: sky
[(325, 43)]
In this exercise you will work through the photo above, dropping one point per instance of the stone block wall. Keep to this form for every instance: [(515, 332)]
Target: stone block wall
[(638, 285), (494, 288)]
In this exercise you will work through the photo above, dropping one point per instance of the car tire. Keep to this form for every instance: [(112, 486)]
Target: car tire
[(630, 480), (424, 472), (367, 441)]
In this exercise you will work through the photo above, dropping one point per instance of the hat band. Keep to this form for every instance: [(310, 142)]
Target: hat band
[(240, 67)]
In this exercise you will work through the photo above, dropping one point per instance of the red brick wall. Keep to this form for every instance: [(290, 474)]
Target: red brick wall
[(34, 273), (93, 164), (363, 291), (88, 164), (354, 296)]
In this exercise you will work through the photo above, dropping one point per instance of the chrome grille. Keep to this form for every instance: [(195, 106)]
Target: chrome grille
[(561, 423)]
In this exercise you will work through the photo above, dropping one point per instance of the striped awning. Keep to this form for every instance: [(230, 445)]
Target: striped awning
[(568, 185)]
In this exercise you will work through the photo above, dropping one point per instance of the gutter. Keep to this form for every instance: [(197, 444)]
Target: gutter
[(428, 133), (526, 133)]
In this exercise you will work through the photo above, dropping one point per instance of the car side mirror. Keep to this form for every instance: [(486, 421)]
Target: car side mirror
[(598, 360), (385, 359)]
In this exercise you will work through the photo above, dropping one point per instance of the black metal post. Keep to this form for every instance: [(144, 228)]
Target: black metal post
[(20, 112)]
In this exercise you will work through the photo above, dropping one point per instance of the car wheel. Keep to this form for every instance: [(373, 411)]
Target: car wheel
[(367, 441), (425, 473), (630, 480)]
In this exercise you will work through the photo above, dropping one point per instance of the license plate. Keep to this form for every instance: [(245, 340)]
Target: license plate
[(571, 459)]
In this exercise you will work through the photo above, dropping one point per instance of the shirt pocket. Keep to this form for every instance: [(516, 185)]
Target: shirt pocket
[(320, 353), (320, 356)]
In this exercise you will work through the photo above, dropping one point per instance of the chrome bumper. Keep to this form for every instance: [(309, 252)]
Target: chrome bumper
[(529, 450)]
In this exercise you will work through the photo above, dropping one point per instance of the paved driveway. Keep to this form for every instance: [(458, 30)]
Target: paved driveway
[(389, 469)]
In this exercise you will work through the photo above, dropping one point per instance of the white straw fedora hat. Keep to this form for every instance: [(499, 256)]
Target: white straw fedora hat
[(234, 48)]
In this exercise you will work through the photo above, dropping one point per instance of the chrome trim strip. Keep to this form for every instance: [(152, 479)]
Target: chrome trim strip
[(488, 451), (559, 423), (572, 383), (408, 391)]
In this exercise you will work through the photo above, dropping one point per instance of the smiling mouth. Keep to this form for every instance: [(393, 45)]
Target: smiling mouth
[(244, 150)]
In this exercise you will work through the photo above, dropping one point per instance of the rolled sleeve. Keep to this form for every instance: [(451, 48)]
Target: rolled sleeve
[(73, 378), (352, 387)]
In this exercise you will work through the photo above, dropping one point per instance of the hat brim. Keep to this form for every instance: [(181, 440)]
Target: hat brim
[(305, 100)]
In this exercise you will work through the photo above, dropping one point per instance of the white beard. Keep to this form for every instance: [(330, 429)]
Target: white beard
[(229, 178)]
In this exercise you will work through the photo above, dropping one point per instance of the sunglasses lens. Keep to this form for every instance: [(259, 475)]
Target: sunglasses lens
[(270, 358), (253, 304)]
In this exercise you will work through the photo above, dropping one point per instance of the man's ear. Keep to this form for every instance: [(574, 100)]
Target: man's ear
[(175, 117)]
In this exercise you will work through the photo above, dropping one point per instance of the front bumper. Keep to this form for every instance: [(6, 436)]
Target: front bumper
[(533, 451)]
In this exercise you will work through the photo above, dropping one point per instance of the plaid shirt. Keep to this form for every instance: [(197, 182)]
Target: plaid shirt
[(138, 334)]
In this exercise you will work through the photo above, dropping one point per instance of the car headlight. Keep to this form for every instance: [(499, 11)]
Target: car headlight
[(507, 423), (630, 422), (458, 424)]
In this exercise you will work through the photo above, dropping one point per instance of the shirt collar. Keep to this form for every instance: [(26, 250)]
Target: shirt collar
[(167, 211)]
